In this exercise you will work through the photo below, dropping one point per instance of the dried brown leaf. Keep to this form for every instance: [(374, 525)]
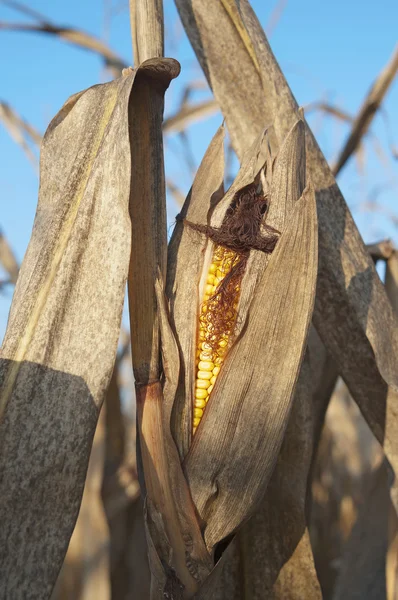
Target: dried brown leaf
[(176, 549), (60, 345), (271, 556), (235, 449), (85, 573), (147, 189), (358, 328)]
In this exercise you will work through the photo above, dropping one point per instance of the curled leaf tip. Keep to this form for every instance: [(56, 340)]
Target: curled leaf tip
[(162, 69)]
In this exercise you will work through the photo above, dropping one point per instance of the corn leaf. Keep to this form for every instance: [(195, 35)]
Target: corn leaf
[(358, 327), (60, 345), (86, 569)]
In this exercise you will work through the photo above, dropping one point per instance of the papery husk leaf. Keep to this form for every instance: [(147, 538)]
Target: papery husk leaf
[(246, 175), (277, 534), (199, 560), (185, 260), (234, 451), (358, 327), (271, 556), (60, 345), (189, 250), (177, 554), (147, 212), (286, 183)]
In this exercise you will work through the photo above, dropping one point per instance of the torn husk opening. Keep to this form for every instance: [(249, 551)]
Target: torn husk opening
[(242, 229)]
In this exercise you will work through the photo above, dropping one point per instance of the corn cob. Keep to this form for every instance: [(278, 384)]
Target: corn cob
[(216, 323)]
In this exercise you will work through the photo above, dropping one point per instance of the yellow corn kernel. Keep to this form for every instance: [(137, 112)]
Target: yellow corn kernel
[(204, 374), (206, 365), (200, 403), (213, 343), (209, 289), (226, 267), (202, 384), (197, 413), (205, 346)]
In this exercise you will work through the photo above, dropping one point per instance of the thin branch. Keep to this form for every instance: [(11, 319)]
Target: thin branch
[(196, 84), (8, 260), (188, 114), (368, 110), (20, 130), (175, 191), (74, 36), (275, 17), (26, 10), (335, 111), (382, 250)]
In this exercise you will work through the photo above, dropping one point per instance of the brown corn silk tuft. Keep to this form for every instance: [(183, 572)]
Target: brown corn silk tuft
[(241, 231)]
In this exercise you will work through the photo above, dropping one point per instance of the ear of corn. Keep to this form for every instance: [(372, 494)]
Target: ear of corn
[(213, 338)]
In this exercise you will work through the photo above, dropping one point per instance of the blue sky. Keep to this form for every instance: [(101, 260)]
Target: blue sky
[(329, 51)]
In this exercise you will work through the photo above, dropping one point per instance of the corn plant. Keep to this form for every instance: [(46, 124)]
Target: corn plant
[(233, 324)]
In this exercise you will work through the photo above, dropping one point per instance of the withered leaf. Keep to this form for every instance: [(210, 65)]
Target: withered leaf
[(185, 260), (358, 326), (234, 452), (60, 345)]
